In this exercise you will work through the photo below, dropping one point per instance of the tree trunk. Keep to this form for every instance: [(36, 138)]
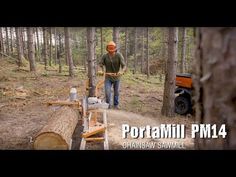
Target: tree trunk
[(214, 82), (116, 33), (11, 40), (38, 45), (68, 52), (50, 46), (101, 43), (45, 53), (7, 41), (135, 50), (2, 47), (55, 39), (1, 39), (142, 57), (63, 49), (35, 44), (19, 46), (168, 108), (24, 46), (91, 64), (164, 50), (60, 44), (60, 47), (59, 62), (57, 134), (59, 53), (95, 56), (190, 52), (31, 48), (86, 58), (183, 54), (126, 49), (147, 63), (76, 41)]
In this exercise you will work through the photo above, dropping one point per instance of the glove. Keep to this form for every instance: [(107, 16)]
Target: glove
[(100, 73), (120, 73)]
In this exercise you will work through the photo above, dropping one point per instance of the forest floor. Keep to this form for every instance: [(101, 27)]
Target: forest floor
[(23, 111)]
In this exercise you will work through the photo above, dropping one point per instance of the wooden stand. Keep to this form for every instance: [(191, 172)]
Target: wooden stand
[(93, 127)]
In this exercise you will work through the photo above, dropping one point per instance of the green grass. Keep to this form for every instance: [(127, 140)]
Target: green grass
[(153, 83)]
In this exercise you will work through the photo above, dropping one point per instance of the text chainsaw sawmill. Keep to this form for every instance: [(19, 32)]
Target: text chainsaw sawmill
[(57, 134)]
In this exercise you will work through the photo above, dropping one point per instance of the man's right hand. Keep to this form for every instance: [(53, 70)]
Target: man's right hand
[(100, 73), (120, 73)]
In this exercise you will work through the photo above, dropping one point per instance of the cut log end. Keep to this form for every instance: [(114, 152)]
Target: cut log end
[(50, 140)]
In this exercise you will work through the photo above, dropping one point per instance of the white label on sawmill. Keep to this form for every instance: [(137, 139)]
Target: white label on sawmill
[(162, 131), (208, 131), (176, 131)]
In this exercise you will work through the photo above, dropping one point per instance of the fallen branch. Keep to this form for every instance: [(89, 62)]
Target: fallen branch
[(21, 69), (8, 56), (5, 87), (37, 93), (19, 98), (51, 69), (157, 99), (3, 105)]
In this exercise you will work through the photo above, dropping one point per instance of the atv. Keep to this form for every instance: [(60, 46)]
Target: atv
[(183, 91)]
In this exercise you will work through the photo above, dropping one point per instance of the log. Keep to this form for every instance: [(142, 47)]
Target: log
[(57, 134)]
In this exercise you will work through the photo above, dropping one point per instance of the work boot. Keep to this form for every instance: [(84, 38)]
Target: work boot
[(116, 107)]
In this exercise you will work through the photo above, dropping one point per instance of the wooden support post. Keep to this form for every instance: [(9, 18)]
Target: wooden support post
[(93, 120), (86, 122), (84, 107), (86, 126)]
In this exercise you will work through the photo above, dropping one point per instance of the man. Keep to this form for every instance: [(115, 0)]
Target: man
[(111, 64)]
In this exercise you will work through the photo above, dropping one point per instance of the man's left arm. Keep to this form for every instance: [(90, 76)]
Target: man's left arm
[(123, 65)]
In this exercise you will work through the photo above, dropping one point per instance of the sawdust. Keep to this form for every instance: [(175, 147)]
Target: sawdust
[(119, 117)]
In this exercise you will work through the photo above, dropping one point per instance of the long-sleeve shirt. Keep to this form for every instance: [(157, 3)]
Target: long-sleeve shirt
[(112, 64)]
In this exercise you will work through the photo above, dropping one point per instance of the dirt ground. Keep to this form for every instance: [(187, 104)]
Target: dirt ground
[(23, 111)]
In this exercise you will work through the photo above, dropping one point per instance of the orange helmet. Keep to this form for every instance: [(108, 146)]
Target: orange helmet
[(111, 47)]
